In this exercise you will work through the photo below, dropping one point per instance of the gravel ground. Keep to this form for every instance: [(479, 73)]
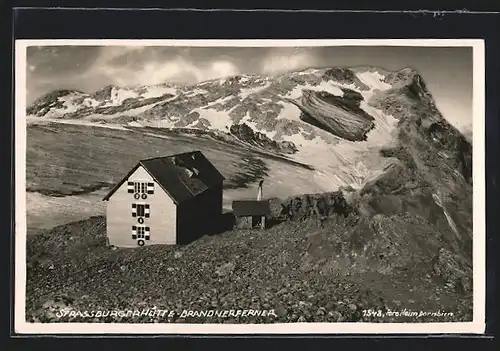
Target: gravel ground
[(70, 269)]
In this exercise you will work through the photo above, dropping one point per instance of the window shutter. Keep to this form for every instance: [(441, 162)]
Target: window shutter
[(134, 210), (151, 187), (134, 232), (146, 233), (146, 211), (130, 187)]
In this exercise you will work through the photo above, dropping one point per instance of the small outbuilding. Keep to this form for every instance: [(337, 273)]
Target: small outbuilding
[(165, 200), (251, 213)]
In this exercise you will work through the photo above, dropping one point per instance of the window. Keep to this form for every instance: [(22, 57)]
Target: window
[(140, 210), (140, 232), (140, 188)]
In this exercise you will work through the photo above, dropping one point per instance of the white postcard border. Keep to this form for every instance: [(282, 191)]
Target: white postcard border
[(477, 326)]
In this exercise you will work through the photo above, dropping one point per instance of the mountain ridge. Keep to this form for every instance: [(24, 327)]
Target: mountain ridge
[(334, 119)]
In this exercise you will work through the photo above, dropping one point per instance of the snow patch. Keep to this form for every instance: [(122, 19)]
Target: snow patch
[(219, 101), (348, 163), (451, 223), (374, 80), (69, 105), (204, 83), (132, 113), (289, 111), (327, 86), (31, 120), (81, 122), (163, 123), (134, 124), (350, 86), (244, 79), (218, 119), (321, 156), (381, 134), (157, 91), (355, 163), (245, 92), (118, 95), (89, 102), (309, 71), (139, 110), (299, 140), (195, 92)]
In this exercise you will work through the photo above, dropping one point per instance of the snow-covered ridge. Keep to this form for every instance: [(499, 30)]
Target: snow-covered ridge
[(264, 104)]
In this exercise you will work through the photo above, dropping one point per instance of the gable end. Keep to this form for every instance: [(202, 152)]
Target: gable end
[(159, 171)]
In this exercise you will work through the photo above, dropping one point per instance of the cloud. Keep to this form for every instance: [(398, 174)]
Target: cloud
[(220, 69), (108, 54), (467, 130), (280, 61), (156, 70), (173, 71)]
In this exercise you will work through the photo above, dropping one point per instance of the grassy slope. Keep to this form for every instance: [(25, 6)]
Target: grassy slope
[(69, 159), (64, 159), (279, 269)]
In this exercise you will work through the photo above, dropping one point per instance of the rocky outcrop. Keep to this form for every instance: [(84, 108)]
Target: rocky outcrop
[(50, 101), (103, 94), (244, 133), (454, 270), (340, 116), (310, 206), (345, 76)]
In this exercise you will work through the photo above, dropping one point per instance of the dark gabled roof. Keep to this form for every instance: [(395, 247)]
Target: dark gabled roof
[(172, 173), (251, 208)]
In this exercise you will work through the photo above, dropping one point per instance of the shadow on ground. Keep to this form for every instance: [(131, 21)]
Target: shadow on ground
[(222, 224)]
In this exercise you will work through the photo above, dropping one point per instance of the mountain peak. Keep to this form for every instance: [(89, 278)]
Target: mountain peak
[(409, 71), (52, 101), (104, 93), (55, 94), (404, 76)]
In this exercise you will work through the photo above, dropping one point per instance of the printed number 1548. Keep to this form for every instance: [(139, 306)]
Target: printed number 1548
[(372, 313)]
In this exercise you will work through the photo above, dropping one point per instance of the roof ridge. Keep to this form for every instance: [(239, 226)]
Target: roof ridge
[(164, 172), (171, 155)]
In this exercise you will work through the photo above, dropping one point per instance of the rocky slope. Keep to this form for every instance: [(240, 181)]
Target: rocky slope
[(302, 271)]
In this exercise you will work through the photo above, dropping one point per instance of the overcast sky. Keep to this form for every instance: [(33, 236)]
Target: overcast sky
[(447, 71)]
